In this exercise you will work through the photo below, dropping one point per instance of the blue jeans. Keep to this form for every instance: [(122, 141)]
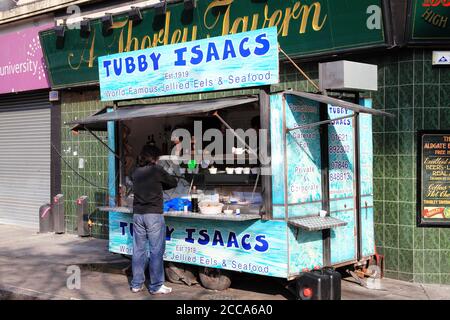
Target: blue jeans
[(148, 228)]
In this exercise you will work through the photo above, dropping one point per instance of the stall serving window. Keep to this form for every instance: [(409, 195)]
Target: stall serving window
[(211, 146)]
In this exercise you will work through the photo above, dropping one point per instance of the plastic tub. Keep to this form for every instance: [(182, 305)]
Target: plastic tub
[(209, 207)]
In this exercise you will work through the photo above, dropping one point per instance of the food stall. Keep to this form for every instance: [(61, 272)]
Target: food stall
[(295, 198)]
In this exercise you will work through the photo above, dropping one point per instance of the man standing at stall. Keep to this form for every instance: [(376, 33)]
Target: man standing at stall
[(149, 180)]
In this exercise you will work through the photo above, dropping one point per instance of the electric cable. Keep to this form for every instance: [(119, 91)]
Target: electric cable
[(75, 171)]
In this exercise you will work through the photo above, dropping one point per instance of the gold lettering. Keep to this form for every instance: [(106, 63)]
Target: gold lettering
[(290, 12), (91, 53), (91, 58), (131, 40), (255, 20), (176, 36), (167, 28), (120, 25), (315, 24), (241, 20), (226, 18), (146, 42), (194, 33), (443, 22), (427, 14), (120, 45), (158, 38), (274, 19), (281, 18)]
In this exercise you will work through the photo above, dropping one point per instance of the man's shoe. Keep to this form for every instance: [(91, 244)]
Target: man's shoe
[(162, 290), (136, 290)]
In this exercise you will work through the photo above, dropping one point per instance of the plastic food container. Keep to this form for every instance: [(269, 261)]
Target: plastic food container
[(229, 170), (228, 211), (246, 171), (212, 170), (255, 170), (238, 170), (209, 207)]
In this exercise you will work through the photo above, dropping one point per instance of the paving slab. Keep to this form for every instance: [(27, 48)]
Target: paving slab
[(38, 266)]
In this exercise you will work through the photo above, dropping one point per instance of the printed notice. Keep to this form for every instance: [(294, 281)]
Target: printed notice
[(435, 176)]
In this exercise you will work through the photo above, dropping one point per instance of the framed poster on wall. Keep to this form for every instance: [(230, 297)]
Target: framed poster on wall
[(433, 178)]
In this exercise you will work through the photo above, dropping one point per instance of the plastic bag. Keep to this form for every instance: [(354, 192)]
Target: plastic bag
[(177, 204)]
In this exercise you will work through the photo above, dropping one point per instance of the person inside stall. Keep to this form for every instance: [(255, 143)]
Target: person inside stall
[(149, 180)]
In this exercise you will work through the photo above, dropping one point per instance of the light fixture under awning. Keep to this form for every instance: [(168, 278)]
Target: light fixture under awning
[(338, 102), (98, 121)]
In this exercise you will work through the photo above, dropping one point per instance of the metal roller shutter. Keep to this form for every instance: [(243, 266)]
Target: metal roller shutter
[(24, 158)]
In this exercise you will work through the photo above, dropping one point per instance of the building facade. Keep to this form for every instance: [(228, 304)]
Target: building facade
[(376, 32)]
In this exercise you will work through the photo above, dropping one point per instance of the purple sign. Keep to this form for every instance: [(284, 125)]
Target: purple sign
[(22, 66)]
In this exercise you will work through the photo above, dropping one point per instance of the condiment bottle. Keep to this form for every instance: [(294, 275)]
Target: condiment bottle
[(194, 199)]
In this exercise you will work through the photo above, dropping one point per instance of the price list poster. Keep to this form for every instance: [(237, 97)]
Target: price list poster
[(434, 179)]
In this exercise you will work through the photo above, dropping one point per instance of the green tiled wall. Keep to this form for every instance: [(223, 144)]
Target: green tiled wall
[(419, 96), (76, 105)]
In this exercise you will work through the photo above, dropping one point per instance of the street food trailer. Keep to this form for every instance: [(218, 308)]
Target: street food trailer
[(301, 199)]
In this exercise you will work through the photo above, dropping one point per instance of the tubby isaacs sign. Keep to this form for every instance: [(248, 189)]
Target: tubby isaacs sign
[(234, 61), (305, 28)]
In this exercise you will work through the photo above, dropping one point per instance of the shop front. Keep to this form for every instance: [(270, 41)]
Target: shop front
[(317, 32), (25, 125)]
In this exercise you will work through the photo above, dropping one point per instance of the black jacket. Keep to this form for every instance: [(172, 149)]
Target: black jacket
[(148, 185)]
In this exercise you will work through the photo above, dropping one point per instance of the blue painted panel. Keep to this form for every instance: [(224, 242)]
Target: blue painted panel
[(341, 144), (258, 247), (277, 155), (240, 60), (342, 204), (306, 250), (366, 155), (304, 157), (343, 239)]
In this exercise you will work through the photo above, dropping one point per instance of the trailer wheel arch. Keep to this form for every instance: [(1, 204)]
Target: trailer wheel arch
[(214, 279)]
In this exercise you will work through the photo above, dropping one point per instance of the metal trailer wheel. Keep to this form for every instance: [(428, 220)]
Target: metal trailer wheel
[(215, 279), (181, 273)]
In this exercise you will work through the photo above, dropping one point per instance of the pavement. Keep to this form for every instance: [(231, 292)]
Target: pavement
[(40, 266)]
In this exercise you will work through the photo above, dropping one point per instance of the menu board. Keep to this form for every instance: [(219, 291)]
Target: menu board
[(434, 178)]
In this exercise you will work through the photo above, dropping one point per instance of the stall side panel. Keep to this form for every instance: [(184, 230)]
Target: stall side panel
[(257, 247), (304, 178), (305, 250), (342, 184), (277, 156), (366, 151), (302, 155)]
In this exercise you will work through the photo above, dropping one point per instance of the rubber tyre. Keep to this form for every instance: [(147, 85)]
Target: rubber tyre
[(176, 271), (215, 279)]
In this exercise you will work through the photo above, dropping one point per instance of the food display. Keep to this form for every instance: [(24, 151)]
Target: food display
[(208, 207)]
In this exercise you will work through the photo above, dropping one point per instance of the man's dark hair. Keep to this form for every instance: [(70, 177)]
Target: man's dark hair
[(149, 155)]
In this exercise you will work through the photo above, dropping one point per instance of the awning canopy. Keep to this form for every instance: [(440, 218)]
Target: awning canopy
[(338, 102), (97, 121)]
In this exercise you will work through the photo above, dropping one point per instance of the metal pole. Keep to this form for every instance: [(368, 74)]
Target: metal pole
[(232, 131), (357, 181), (325, 170)]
